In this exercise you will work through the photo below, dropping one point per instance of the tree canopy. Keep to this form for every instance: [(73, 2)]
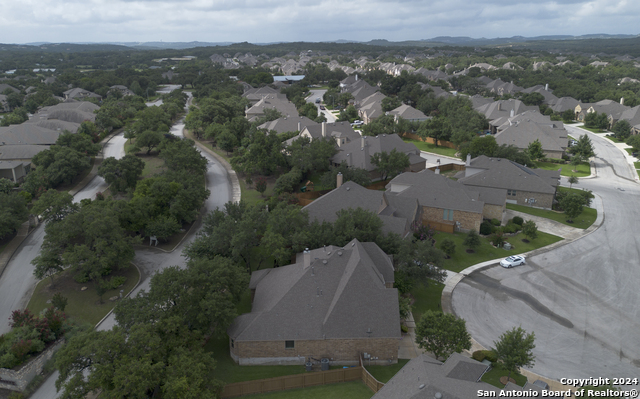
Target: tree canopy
[(442, 334)]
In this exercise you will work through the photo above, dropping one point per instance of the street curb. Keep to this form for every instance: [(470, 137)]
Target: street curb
[(16, 242)]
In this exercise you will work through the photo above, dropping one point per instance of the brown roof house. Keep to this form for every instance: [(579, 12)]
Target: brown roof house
[(397, 213), (457, 378), (358, 153), (333, 303), (524, 186), (447, 205)]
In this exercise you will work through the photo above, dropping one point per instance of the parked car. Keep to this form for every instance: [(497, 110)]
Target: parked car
[(512, 261), (318, 101), (322, 107)]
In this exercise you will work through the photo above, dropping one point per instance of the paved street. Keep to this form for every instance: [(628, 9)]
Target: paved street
[(580, 299), (312, 99)]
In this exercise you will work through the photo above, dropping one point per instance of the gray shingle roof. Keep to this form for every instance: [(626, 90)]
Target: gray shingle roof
[(435, 191), (355, 155), (56, 124), (343, 298), (396, 214), (282, 125), (9, 152), (503, 108), (409, 113), (564, 103), (423, 377), (285, 107), (504, 174), (524, 132), (27, 133)]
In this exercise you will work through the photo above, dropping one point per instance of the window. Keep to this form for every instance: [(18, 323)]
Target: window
[(232, 342), (289, 344), (448, 214), (511, 193)]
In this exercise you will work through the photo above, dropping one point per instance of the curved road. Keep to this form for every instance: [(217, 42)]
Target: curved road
[(150, 260), (581, 299)]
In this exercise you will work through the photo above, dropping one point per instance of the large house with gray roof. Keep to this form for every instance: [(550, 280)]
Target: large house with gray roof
[(285, 107), (408, 113), (611, 108), (78, 94), (524, 186), (523, 129), (333, 303), (285, 124), (358, 153), (447, 205), (396, 213), (341, 132)]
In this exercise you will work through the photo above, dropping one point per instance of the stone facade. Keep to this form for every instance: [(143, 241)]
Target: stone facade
[(468, 220), (339, 351), (544, 201), (17, 380), (490, 211)]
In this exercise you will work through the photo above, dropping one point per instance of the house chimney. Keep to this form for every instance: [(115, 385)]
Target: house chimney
[(299, 126), (339, 180), (437, 170), (512, 113), (546, 87), (621, 100), (356, 77), (324, 129), (468, 163), (306, 258), (349, 159), (362, 143)]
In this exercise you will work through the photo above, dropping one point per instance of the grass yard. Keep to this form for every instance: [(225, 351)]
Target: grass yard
[(614, 139), (152, 165), (582, 221), (342, 390), (629, 150), (584, 169), (82, 305), (637, 165), (422, 146), (593, 129), (385, 373), (425, 298), (461, 259), (493, 377)]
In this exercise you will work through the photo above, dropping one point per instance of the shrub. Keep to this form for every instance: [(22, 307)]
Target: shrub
[(478, 355), (448, 247), (497, 239), (404, 328), (510, 228), (517, 220), (486, 228), (495, 222), (472, 240)]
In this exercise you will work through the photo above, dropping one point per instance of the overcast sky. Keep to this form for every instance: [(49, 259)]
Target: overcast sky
[(260, 21)]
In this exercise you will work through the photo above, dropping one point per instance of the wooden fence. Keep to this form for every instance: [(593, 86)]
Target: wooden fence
[(293, 381), (449, 166), (430, 140), (370, 380), (444, 227)]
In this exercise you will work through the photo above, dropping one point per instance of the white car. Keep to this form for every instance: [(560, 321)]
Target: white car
[(511, 261)]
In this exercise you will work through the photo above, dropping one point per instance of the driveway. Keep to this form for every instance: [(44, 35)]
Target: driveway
[(581, 298)]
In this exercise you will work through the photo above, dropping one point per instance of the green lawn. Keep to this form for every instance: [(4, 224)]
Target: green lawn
[(82, 305), (493, 377), (582, 221), (422, 146), (584, 169), (152, 166), (637, 164), (614, 139), (461, 259), (384, 373), (594, 130), (426, 298), (629, 150), (342, 390)]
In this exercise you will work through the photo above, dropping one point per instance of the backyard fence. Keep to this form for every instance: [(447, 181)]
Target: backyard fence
[(430, 140), (302, 381)]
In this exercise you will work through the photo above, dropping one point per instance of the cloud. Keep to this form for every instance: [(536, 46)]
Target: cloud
[(307, 20)]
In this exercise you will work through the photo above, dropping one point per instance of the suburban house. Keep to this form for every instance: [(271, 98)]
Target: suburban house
[(632, 115), (27, 133), (549, 98), (13, 170), (15, 160), (4, 105), (612, 109), (501, 88), (333, 303), (408, 113), (285, 107), (447, 205), (524, 186), (284, 124), (341, 132), (78, 94), (397, 213), (503, 108), (123, 90), (358, 153), (432, 75), (55, 124), (68, 111), (255, 95), (437, 91), (457, 378), (370, 108), (525, 128), (564, 103), (359, 90)]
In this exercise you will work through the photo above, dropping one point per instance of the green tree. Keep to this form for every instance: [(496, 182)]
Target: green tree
[(6, 186), (149, 139), (438, 128), (482, 145), (79, 142), (622, 129), (13, 212), (163, 227), (472, 240), (442, 334), (356, 175), (420, 261), (448, 247), (530, 229), (390, 103), (515, 349), (572, 180), (121, 174), (227, 141), (634, 142), (583, 148), (532, 98), (390, 164), (47, 264), (308, 155), (572, 205), (261, 185), (596, 120), (535, 150)]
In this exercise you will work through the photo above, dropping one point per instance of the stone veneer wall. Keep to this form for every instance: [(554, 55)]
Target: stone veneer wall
[(339, 351), (490, 211), (17, 380), (544, 201)]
